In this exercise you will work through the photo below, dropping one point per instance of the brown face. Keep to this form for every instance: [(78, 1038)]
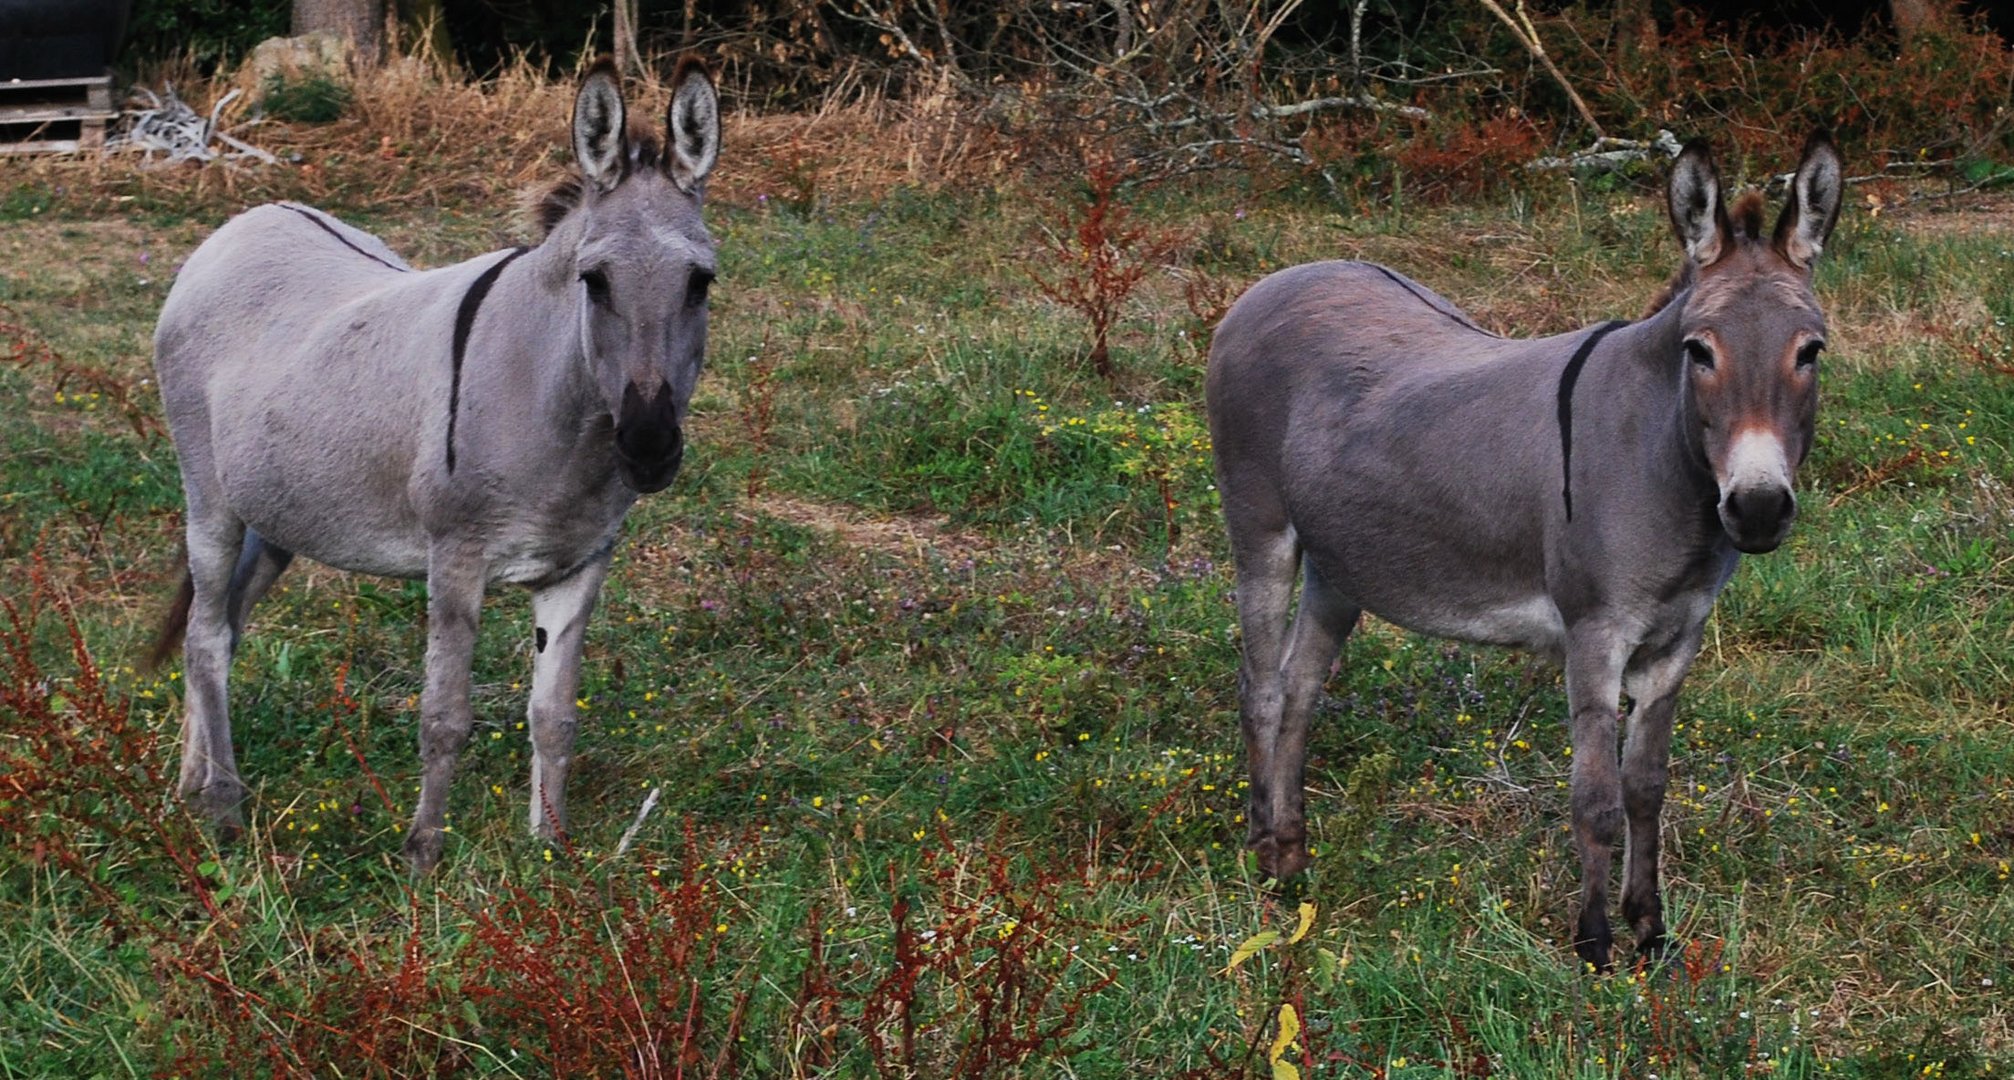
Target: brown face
[(1751, 333)]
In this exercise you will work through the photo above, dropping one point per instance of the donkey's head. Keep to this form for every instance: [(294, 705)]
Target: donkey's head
[(1751, 332), (643, 261)]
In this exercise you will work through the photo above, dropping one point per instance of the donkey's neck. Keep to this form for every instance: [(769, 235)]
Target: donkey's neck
[(566, 389), (1644, 382)]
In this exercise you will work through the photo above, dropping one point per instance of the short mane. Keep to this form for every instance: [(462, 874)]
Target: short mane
[(1745, 215), (550, 205)]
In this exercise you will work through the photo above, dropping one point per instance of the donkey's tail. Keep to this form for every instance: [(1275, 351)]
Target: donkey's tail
[(174, 624)]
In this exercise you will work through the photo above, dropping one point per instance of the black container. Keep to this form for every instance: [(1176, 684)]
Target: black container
[(59, 39)]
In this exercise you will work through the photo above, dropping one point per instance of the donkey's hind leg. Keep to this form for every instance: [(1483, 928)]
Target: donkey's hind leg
[(1322, 622), (260, 563), (559, 617), (209, 779), (455, 578), (1266, 560)]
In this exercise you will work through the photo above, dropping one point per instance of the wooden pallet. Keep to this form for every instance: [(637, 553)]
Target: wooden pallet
[(54, 116)]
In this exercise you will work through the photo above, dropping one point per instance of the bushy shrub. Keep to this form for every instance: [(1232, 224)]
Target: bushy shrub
[(316, 98)]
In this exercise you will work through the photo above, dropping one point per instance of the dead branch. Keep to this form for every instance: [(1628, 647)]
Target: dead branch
[(1298, 108), (1607, 154), (1527, 35)]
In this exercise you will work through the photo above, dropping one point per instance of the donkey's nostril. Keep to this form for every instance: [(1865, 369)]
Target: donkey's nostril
[(1762, 507), (1756, 518), (646, 429)]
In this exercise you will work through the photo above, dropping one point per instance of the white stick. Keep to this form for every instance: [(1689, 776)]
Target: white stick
[(649, 803)]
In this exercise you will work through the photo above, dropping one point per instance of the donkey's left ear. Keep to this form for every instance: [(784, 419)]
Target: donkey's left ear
[(692, 125), (1815, 194)]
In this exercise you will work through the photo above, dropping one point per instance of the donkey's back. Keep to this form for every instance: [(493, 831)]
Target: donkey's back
[(1358, 419), (1344, 347), (296, 357), (274, 271)]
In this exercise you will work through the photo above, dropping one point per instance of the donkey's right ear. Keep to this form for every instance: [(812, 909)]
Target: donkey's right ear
[(692, 125), (599, 145), (1698, 216)]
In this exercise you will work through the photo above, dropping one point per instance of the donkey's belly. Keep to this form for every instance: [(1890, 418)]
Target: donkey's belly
[(1531, 623)]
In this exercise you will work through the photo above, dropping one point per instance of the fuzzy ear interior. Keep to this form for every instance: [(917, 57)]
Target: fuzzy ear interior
[(598, 139), (692, 126), (1816, 192), (1698, 215)]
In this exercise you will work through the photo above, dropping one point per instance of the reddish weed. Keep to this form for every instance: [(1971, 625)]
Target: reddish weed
[(1100, 255)]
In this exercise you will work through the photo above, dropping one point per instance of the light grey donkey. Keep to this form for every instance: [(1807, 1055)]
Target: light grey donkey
[(490, 421), (1583, 496)]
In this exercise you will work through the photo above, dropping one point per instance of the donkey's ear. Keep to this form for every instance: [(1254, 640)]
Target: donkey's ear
[(1815, 194), (1698, 216), (692, 125), (598, 141)]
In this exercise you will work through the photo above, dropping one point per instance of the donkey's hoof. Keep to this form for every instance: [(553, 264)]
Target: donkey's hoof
[(423, 850), (1281, 859), (221, 803), (1593, 942)]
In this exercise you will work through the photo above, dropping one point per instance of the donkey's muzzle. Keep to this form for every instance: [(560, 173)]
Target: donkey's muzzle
[(1758, 518), (648, 442)]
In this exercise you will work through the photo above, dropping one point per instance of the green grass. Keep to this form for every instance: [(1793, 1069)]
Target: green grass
[(921, 639)]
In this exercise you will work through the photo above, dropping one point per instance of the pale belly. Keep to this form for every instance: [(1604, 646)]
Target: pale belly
[(1532, 623)]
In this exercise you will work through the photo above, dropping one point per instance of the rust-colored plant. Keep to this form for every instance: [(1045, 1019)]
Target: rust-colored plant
[(1099, 254)]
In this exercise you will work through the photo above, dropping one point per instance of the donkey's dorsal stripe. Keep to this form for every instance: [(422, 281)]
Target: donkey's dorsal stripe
[(1402, 283), (465, 321), (340, 238), (1566, 380)]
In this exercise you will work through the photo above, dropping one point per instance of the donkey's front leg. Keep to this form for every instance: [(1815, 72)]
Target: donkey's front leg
[(455, 573), (559, 615), (1652, 682), (1594, 660)]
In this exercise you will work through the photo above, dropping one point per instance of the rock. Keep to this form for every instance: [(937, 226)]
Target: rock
[(318, 53)]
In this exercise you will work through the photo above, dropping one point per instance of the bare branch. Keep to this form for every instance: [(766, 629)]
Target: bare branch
[(1527, 36)]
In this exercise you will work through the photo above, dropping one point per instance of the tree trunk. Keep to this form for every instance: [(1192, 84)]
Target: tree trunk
[(361, 21), (1912, 17), (1635, 27)]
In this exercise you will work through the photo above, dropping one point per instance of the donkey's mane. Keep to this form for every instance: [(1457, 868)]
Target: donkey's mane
[(1745, 216), (551, 204)]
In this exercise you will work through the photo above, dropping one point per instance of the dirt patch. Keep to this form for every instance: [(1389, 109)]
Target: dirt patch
[(903, 537), (1982, 215)]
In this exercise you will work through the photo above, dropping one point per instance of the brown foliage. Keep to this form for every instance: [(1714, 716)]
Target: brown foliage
[(1097, 254)]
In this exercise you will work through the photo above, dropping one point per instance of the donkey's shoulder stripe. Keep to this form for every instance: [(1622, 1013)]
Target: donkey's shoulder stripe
[(340, 238), (1566, 380), (465, 321), (1422, 298)]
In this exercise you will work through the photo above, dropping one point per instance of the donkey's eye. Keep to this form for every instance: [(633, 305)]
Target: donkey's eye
[(597, 286), (1697, 352), (696, 286), (1807, 357)]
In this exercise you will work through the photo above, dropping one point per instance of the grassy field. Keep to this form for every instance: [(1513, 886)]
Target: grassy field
[(943, 716)]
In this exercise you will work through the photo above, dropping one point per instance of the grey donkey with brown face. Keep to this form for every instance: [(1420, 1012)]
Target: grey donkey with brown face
[(1585, 496), (486, 422)]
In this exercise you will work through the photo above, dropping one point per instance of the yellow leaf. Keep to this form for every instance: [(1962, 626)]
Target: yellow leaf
[(1307, 920), (1290, 1029), (1250, 948)]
